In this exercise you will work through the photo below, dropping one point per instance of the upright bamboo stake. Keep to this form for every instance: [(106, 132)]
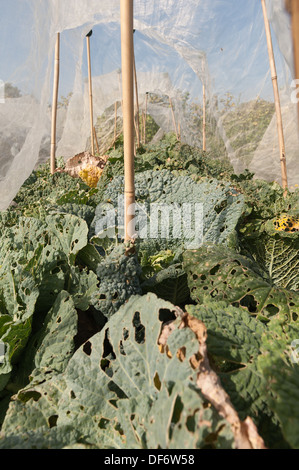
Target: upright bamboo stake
[(96, 140), (90, 91), (54, 104), (136, 96), (204, 146), (145, 116), (173, 118), (293, 8), (126, 14), (276, 99)]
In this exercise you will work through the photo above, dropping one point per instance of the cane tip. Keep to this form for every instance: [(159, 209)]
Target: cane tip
[(89, 34)]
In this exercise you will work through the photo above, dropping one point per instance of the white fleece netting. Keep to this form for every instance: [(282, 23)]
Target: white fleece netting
[(179, 47)]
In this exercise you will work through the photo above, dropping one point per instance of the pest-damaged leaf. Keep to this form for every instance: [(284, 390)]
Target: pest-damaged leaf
[(219, 274), (279, 364), (137, 385)]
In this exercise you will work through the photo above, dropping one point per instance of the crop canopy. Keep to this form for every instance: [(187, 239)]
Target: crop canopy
[(179, 48)]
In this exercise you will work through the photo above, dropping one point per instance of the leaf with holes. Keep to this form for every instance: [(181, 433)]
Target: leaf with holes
[(217, 273), (49, 350), (122, 392), (277, 252), (234, 342), (70, 233), (279, 365)]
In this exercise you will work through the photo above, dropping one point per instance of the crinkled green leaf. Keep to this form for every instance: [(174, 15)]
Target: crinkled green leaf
[(122, 392), (277, 252), (222, 206), (217, 273), (235, 342), (52, 346), (279, 364), (118, 275), (70, 232), (169, 284)]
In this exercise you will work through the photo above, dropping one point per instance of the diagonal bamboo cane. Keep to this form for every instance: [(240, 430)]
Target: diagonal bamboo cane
[(115, 122), (173, 119), (96, 140), (136, 97), (204, 145), (145, 116)]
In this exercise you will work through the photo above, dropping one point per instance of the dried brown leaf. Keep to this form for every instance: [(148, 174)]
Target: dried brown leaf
[(80, 161)]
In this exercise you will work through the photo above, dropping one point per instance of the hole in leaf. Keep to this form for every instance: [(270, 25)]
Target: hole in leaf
[(215, 269), (176, 415), (220, 207), (191, 423), (121, 349), (58, 320), (157, 381), (126, 334), (103, 423), (28, 395), (52, 421), (166, 315), (139, 329), (73, 396), (294, 316), (272, 309), (250, 303), (87, 348), (182, 354)]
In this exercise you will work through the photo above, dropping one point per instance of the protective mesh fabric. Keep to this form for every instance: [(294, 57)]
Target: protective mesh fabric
[(179, 47)]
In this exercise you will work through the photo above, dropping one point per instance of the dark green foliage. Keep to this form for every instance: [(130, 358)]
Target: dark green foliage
[(82, 361), (216, 273)]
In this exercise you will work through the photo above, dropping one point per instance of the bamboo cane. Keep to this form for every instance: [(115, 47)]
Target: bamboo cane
[(204, 146), (120, 92), (276, 99), (126, 13), (90, 91), (136, 96), (173, 119), (54, 104), (145, 116), (115, 122), (96, 140), (293, 8)]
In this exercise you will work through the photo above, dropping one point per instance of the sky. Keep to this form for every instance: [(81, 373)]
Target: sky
[(230, 33)]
